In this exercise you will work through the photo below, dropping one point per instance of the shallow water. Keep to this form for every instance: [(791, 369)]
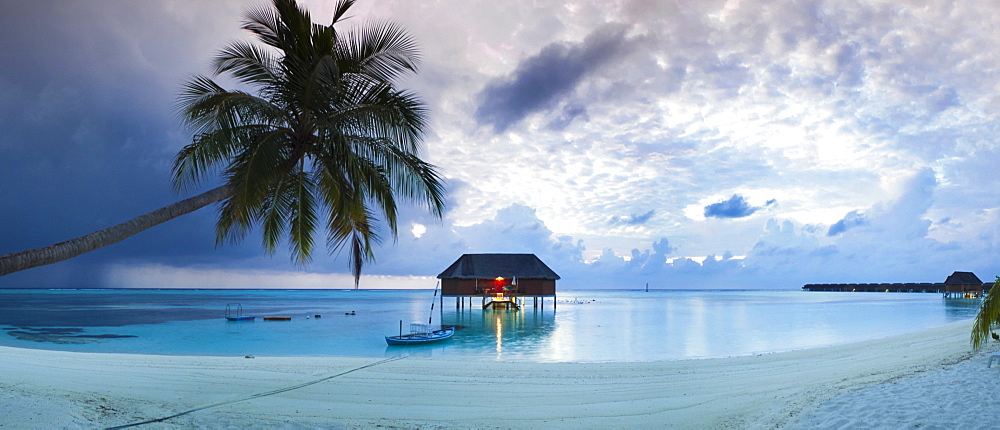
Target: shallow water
[(586, 325)]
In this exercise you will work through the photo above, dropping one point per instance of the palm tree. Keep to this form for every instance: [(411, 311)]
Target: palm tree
[(326, 138), (989, 314)]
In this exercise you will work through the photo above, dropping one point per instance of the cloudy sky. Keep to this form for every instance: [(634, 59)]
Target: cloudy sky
[(684, 144)]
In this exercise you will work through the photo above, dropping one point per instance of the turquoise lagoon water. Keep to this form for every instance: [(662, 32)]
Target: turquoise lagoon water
[(584, 326)]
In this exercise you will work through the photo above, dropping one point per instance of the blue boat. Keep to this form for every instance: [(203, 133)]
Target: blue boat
[(420, 334)]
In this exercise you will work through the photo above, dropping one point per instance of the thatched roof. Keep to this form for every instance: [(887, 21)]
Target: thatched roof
[(488, 266), (963, 278)]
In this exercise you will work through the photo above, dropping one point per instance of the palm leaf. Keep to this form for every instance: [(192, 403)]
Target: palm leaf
[(303, 219), (247, 63), (340, 11), (276, 214), (264, 22), (989, 314), (383, 50)]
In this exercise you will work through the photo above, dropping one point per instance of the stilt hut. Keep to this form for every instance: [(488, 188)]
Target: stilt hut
[(498, 279), (963, 284)]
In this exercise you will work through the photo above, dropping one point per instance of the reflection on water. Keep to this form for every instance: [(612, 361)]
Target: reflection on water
[(962, 308), (498, 324), (503, 333)]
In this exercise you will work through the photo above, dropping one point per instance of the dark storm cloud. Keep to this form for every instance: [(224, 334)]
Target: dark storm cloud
[(633, 219), (540, 81), (735, 207), (88, 134)]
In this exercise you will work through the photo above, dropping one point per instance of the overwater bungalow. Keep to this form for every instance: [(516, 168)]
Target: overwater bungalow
[(499, 280), (963, 284)]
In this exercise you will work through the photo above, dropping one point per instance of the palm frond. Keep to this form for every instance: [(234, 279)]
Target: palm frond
[(344, 187), (340, 11), (381, 49), (320, 85), (303, 219), (294, 31), (989, 314), (195, 90), (374, 189), (276, 214), (357, 232), (206, 109), (372, 109), (247, 63), (196, 159), (254, 171), (211, 150), (265, 23), (361, 252), (411, 177), (235, 221), (225, 122)]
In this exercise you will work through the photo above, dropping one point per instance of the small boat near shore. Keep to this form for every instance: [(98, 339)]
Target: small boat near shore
[(420, 334)]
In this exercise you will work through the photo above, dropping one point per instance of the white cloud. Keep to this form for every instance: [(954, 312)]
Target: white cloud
[(418, 230)]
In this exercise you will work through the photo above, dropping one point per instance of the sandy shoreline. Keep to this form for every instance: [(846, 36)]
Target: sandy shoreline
[(50, 389)]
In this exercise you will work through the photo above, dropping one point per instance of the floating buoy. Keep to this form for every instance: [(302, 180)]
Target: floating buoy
[(317, 316)]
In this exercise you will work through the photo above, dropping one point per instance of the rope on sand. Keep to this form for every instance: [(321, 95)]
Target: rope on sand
[(259, 395)]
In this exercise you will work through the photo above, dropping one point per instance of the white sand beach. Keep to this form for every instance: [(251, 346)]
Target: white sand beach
[(832, 387)]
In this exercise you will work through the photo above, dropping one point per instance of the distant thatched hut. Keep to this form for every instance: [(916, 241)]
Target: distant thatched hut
[(963, 284)]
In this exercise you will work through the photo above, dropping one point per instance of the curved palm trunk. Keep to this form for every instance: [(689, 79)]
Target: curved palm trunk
[(10, 263)]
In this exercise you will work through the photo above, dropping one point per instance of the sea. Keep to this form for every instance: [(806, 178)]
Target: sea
[(576, 326)]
